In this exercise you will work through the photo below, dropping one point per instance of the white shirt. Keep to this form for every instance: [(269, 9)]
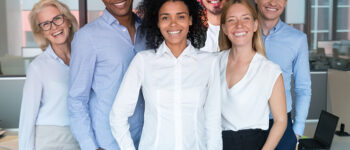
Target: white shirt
[(212, 42), (44, 97), (182, 101), (245, 105)]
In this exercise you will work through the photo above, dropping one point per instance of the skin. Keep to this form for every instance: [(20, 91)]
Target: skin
[(173, 22), (122, 11), (269, 13), (57, 35), (240, 27), (214, 10)]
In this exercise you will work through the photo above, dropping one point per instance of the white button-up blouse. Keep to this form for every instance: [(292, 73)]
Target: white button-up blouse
[(182, 101)]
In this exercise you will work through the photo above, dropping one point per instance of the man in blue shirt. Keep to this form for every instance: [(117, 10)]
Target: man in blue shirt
[(101, 53), (288, 48)]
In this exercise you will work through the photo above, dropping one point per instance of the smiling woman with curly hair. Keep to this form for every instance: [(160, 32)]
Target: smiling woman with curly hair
[(149, 10), (180, 84)]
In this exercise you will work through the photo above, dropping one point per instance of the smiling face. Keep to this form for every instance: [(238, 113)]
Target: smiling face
[(119, 8), (173, 22), (58, 34), (271, 9), (239, 25), (214, 6)]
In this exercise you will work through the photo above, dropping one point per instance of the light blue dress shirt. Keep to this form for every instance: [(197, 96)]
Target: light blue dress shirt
[(101, 53), (288, 48)]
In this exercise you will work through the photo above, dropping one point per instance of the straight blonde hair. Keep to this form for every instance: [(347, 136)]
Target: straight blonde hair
[(224, 41), (37, 32)]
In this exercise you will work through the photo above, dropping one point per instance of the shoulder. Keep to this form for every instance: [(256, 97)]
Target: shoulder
[(292, 31), (207, 56), (145, 54), (267, 64), (39, 63), (91, 28)]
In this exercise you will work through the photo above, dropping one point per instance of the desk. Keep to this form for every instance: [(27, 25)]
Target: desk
[(340, 143), (9, 142)]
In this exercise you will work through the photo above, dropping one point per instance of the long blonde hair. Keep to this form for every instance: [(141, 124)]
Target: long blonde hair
[(39, 38), (224, 41)]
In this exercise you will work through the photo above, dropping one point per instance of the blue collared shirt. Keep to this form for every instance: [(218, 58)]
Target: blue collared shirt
[(288, 48), (101, 53)]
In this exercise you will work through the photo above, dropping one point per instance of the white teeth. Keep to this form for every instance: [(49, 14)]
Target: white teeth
[(174, 32), (57, 33), (271, 9), (240, 34), (214, 2), (120, 4)]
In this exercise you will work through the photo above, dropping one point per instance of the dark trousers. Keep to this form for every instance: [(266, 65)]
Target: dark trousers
[(253, 139), (289, 140)]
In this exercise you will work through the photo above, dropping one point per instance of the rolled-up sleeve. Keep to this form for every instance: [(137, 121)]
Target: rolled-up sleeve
[(125, 102), (212, 110), (81, 74)]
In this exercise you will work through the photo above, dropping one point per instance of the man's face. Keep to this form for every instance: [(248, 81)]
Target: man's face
[(118, 8), (214, 6), (271, 9)]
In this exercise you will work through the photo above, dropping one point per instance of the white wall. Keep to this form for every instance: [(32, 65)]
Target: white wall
[(3, 30), (295, 12), (14, 28)]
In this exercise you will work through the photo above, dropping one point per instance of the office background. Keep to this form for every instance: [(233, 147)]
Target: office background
[(326, 23)]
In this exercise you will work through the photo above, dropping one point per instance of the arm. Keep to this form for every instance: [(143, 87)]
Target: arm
[(279, 112), (81, 72), (125, 103), (212, 110), (302, 82), (32, 92)]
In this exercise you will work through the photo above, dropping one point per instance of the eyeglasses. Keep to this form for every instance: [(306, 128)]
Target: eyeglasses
[(57, 20)]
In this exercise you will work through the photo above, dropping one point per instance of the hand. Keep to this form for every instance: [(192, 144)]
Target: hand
[(100, 149), (298, 137)]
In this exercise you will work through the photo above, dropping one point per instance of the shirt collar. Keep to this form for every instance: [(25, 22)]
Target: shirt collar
[(53, 55), (188, 51), (109, 18), (277, 27)]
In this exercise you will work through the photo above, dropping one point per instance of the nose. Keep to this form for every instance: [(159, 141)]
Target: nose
[(172, 22), (53, 26), (273, 2), (239, 24)]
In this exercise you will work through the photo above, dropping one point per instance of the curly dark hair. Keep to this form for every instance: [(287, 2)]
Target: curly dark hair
[(149, 9)]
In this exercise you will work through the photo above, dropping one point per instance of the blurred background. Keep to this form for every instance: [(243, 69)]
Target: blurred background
[(326, 23)]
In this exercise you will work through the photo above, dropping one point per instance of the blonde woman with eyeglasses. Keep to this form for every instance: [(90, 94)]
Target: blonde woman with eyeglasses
[(44, 121)]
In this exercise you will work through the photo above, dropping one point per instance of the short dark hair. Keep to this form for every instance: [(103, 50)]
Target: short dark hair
[(149, 10)]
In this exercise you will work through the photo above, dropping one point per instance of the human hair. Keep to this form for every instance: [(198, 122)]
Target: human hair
[(37, 32), (224, 41), (149, 9)]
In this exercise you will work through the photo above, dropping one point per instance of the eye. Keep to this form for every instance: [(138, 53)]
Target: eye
[(231, 20), (246, 18), (45, 23), (164, 18), (182, 17), (56, 18)]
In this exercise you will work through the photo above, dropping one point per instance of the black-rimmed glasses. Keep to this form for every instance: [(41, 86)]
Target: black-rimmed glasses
[(57, 20)]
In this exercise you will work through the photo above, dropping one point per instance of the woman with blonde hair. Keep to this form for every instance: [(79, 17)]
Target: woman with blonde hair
[(44, 121), (251, 84)]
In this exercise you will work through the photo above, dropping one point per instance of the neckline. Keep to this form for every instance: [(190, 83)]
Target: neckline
[(244, 76)]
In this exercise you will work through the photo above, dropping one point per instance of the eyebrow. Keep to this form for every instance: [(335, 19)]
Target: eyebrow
[(241, 15), (179, 13)]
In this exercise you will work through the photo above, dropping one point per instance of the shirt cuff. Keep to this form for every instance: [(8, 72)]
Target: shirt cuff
[(299, 128)]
